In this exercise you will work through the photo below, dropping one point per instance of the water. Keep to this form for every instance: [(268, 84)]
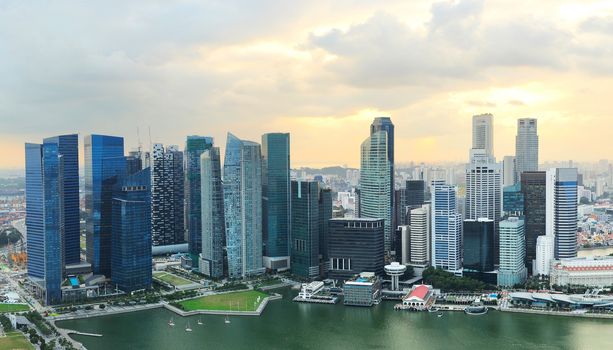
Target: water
[(288, 325)]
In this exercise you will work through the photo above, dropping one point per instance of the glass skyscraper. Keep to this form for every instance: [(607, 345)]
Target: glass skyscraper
[(167, 196), (243, 207), (478, 245), (512, 268), (194, 146), (104, 165), (513, 200), (446, 228), (526, 147), (276, 199), (213, 220), (131, 240), (561, 217), (305, 229), (375, 189)]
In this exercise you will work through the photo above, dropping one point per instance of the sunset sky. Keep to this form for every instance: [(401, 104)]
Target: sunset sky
[(321, 70)]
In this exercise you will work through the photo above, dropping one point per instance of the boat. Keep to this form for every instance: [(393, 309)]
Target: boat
[(188, 328), (200, 322), (476, 308), (227, 320), (440, 314), (171, 323), (434, 309)]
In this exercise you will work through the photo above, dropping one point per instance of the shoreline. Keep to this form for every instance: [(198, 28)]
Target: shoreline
[(558, 313)]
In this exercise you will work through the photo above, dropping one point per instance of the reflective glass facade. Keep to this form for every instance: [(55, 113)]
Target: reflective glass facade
[(305, 229), (213, 222)]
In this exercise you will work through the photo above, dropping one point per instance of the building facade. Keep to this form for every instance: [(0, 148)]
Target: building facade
[(276, 200), (594, 272), (105, 164), (420, 236), (544, 255), (561, 217), (478, 245), (526, 147), (243, 207), (446, 228), (355, 246), (363, 290), (305, 226), (131, 262), (533, 187), (213, 216), (512, 269), (483, 133)]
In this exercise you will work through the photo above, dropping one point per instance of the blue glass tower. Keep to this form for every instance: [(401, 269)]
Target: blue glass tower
[(243, 207), (513, 200), (446, 228), (131, 243), (305, 229), (276, 199), (104, 165), (194, 146), (68, 149)]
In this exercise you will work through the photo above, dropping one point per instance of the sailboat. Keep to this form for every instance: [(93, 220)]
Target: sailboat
[(171, 323), (200, 322), (227, 320), (188, 328)]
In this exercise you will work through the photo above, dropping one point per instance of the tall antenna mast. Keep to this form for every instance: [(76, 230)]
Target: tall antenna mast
[(138, 137)]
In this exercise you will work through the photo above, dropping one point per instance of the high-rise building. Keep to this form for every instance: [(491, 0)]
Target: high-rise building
[(355, 246), (167, 196), (325, 214), (305, 226), (385, 124), (105, 164), (446, 228), (420, 236), (561, 217), (483, 133), (213, 216), (533, 187), (375, 189), (400, 208), (276, 200), (194, 146), (512, 269), (415, 193), (479, 246), (243, 207), (131, 238), (508, 171), (513, 200), (483, 188), (526, 147), (545, 246)]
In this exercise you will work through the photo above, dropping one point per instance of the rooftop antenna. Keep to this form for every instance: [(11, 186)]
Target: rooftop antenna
[(138, 137)]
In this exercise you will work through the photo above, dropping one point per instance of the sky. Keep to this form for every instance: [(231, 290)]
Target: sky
[(321, 70)]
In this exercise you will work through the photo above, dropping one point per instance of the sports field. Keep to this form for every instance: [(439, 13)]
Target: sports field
[(15, 341), (13, 308), (172, 279), (237, 301)]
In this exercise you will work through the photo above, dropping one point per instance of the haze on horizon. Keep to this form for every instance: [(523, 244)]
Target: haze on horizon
[(321, 71)]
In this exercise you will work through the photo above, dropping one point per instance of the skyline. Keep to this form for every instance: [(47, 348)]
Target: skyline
[(320, 72)]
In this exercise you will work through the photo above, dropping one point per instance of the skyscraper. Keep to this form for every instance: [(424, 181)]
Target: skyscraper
[(561, 217), (446, 228), (483, 133), (105, 164), (508, 171), (375, 189), (194, 146), (479, 246), (305, 226), (526, 147), (213, 216), (385, 124), (325, 214), (420, 236), (167, 195), (243, 207), (415, 193), (276, 200), (512, 269), (513, 201), (131, 238), (533, 186), (355, 246)]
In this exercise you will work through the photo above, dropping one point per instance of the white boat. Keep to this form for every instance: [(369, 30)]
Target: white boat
[(188, 328), (200, 322), (227, 320), (171, 323)]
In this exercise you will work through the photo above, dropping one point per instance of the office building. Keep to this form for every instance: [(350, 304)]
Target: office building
[(544, 255), (325, 214), (355, 246), (276, 200), (415, 193), (479, 246), (526, 147), (483, 133), (194, 147), (533, 187), (592, 272), (446, 228), (508, 171), (375, 188), (213, 216), (131, 262), (384, 124), (561, 206), (363, 290), (167, 196), (105, 164), (513, 200), (420, 236), (305, 226), (512, 270), (243, 207), (483, 188)]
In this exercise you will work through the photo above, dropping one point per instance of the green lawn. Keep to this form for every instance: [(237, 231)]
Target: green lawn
[(172, 279), (14, 307), (15, 341), (237, 301)]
